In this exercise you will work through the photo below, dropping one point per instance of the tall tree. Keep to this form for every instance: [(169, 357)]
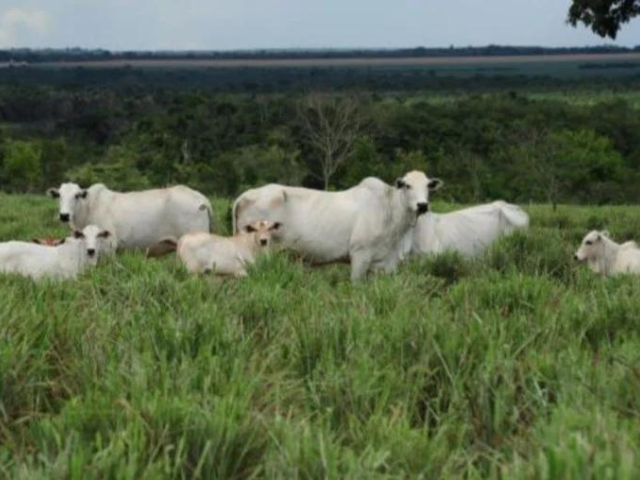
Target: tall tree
[(331, 127), (604, 17)]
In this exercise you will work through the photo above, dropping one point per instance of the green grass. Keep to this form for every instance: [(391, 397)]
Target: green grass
[(520, 364)]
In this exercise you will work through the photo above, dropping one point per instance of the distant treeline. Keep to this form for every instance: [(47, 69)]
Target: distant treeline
[(80, 54)]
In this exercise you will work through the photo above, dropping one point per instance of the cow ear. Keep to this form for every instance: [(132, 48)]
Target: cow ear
[(249, 229), (435, 184), (104, 234), (82, 194), (53, 193), (400, 183), (275, 226), (78, 234), (605, 233)]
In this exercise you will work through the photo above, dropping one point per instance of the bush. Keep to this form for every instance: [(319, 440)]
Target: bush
[(119, 173), (22, 168)]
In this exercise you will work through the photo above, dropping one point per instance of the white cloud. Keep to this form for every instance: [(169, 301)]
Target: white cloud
[(21, 25)]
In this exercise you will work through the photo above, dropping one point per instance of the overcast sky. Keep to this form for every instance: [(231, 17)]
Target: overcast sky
[(243, 24)]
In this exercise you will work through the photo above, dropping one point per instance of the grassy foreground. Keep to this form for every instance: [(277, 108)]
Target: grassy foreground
[(519, 364)]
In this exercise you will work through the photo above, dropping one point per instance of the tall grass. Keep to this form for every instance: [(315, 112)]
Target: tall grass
[(519, 364)]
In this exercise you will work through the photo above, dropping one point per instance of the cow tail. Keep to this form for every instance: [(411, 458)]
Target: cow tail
[(207, 206), (234, 217), (210, 217)]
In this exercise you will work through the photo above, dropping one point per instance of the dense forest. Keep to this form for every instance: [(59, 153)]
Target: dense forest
[(484, 145)]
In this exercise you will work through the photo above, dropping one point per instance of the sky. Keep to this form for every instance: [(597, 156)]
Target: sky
[(262, 24)]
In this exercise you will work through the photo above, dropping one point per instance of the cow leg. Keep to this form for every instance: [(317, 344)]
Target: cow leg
[(240, 273), (360, 264), (389, 266)]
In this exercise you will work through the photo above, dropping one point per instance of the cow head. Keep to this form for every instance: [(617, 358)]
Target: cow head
[(592, 246), (416, 187), (93, 238), (262, 232), (69, 196)]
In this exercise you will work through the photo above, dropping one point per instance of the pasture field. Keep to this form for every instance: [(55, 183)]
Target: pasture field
[(519, 364)]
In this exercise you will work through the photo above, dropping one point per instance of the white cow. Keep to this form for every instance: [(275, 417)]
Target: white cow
[(206, 253), (365, 224), (63, 261), (606, 257), (468, 231), (138, 220)]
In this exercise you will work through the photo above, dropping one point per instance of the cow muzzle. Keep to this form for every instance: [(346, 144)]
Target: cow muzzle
[(422, 207), (91, 252), (263, 242), (65, 217)]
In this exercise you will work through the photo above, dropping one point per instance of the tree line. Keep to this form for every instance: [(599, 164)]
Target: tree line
[(485, 146), (81, 54)]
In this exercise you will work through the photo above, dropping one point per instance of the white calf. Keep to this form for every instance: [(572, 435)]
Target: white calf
[(206, 253), (606, 257), (64, 261)]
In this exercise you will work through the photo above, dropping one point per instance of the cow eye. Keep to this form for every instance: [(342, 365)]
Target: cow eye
[(588, 242)]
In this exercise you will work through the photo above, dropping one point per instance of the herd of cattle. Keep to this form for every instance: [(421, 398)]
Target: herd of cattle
[(373, 226)]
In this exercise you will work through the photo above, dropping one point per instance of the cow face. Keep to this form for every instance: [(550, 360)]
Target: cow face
[(416, 187), (93, 239), (69, 195), (591, 246), (262, 232)]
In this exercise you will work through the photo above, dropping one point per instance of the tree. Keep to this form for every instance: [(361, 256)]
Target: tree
[(117, 171), (604, 17), (22, 165), (364, 161), (561, 165), (54, 161), (331, 127)]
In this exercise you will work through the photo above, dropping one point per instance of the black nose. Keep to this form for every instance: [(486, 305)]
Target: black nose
[(263, 241), (575, 257), (423, 207), (91, 251), (64, 217)]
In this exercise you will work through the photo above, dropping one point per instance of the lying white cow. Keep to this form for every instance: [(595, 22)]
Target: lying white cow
[(138, 220), (365, 224), (606, 257), (206, 253), (468, 231), (63, 261)]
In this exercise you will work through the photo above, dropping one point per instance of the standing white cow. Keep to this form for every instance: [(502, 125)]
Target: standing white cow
[(468, 231), (365, 224), (65, 260), (138, 220), (606, 257)]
